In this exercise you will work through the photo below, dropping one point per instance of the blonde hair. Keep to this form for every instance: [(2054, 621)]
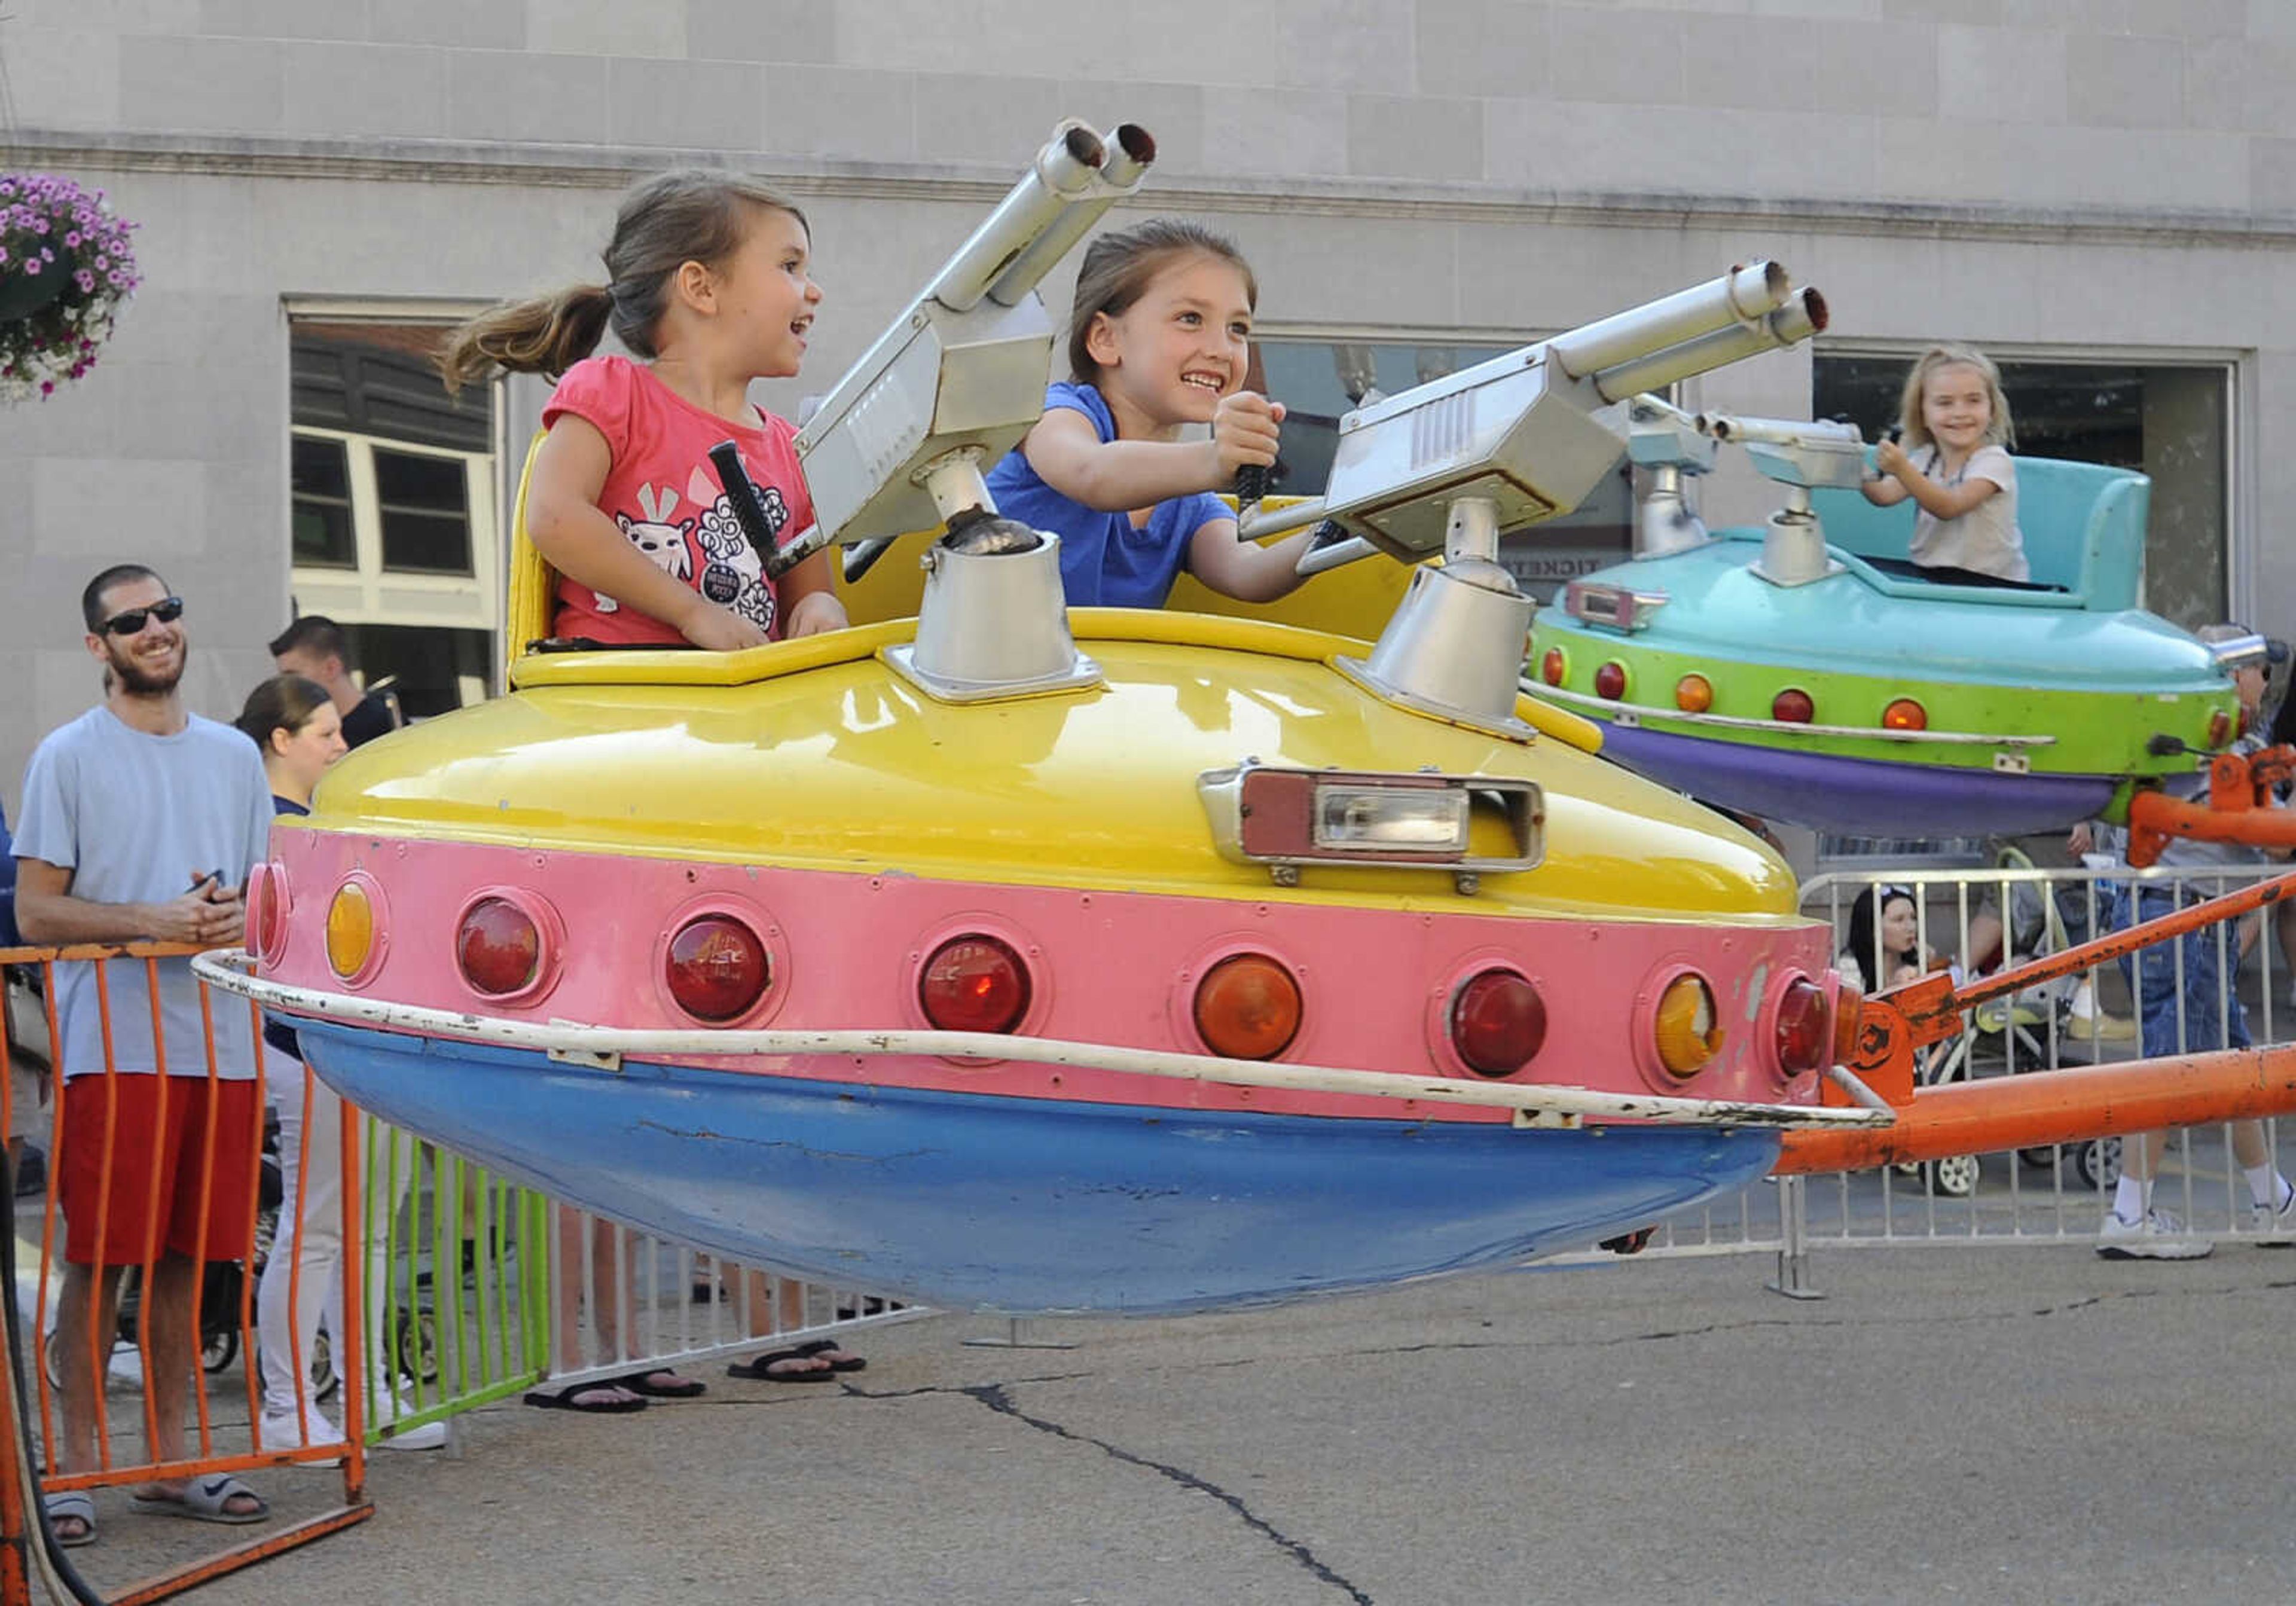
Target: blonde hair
[(1999, 431), (685, 215), (1117, 269)]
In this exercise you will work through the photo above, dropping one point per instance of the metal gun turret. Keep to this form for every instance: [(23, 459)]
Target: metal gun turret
[(959, 377), (1800, 455), (1666, 441), (1520, 428)]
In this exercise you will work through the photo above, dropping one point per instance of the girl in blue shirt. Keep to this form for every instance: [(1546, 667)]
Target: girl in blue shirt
[(1161, 336)]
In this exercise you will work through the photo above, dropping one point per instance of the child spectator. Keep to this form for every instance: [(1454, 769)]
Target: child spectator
[(707, 284), (1955, 463), (1160, 339)]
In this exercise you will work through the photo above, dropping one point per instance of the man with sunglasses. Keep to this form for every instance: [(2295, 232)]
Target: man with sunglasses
[(141, 821)]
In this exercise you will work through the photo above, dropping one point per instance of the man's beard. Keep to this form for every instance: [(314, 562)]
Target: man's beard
[(139, 681)]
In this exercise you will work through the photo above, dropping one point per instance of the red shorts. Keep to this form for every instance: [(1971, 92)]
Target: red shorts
[(203, 1119)]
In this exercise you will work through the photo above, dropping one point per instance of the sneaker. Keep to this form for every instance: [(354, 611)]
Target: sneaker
[(282, 1432), (2159, 1236), (2104, 1028), (2274, 1229), (389, 1406)]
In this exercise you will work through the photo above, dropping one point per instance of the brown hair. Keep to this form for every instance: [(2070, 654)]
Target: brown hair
[(284, 702), (685, 215), (1117, 269), (1999, 431)]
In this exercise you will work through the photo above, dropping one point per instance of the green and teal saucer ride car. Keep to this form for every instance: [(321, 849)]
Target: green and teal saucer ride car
[(1810, 673)]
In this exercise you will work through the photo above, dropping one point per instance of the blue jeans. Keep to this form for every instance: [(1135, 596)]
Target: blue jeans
[(2203, 994)]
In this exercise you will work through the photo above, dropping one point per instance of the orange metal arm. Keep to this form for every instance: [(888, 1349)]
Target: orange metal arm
[(2240, 808), (2066, 1106)]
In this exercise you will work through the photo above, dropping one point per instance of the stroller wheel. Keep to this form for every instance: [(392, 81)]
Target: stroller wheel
[(1955, 1177), (2098, 1163), (218, 1349)]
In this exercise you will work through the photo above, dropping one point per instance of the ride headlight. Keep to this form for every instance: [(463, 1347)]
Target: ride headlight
[(1288, 818), (1371, 818)]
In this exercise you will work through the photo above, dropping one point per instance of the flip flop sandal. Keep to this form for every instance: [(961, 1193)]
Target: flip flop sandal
[(206, 1500), (570, 1399), (757, 1369), (71, 1506), (680, 1387), (820, 1348)]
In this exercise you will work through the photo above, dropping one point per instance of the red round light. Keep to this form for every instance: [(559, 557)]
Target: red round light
[(267, 913), (974, 984), (717, 968), (1247, 1007), (1611, 680), (1805, 1030), (1904, 714), (1551, 668), (2220, 728), (1792, 705), (498, 947), (1498, 1022)]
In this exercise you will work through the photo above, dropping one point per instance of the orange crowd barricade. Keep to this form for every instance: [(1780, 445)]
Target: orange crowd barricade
[(183, 1211)]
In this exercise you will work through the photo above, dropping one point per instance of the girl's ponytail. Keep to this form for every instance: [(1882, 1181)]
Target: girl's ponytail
[(547, 335)]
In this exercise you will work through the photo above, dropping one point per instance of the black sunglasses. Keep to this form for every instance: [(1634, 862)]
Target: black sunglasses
[(131, 623)]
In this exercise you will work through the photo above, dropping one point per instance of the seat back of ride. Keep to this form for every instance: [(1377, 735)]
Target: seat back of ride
[(2083, 526)]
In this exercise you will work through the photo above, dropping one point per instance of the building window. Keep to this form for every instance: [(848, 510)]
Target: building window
[(393, 488), (2170, 420), (1319, 381), (322, 492), (425, 510)]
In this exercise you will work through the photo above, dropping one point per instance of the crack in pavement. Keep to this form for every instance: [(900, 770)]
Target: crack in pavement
[(993, 1396)]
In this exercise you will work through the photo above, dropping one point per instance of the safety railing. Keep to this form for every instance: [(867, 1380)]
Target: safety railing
[(158, 1144), (2162, 1003)]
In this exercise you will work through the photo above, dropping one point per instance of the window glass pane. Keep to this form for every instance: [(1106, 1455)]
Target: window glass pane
[(319, 474), (2169, 422), (425, 512), (1318, 382)]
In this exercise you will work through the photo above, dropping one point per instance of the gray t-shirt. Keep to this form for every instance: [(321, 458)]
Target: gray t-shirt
[(1986, 538), (134, 816)]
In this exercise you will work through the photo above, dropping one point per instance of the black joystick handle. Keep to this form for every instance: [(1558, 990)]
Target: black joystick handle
[(749, 513), (1251, 485)]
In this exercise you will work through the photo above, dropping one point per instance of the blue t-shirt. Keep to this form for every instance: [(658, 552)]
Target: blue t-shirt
[(134, 818), (1104, 561), (10, 938)]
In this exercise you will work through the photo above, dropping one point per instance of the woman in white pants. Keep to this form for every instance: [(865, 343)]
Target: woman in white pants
[(294, 721)]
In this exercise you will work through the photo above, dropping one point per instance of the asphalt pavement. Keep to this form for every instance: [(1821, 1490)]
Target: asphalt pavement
[(2003, 1423)]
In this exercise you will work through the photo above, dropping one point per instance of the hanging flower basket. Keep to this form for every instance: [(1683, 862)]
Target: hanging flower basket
[(65, 271)]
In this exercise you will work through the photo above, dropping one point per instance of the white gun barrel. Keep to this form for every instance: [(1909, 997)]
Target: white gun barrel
[(1798, 319), (1778, 431), (1130, 150), (1741, 296), (1065, 172)]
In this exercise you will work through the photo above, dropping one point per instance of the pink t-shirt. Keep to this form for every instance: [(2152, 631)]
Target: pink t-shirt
[(664, 492)]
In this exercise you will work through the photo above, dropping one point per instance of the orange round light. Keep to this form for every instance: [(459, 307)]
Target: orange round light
[(1498, 1023), (1611, 680), (1793, 705), (1804, 1033), (1849, 1004), (1693, 693), (498, 947), (1247, 1007), (1553, 666), (974, 984), (1686, 1031), (717, 968), (350, 931), (1905, 714)]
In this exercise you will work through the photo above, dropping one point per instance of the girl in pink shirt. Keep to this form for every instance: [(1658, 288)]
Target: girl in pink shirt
[(708, 283)]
